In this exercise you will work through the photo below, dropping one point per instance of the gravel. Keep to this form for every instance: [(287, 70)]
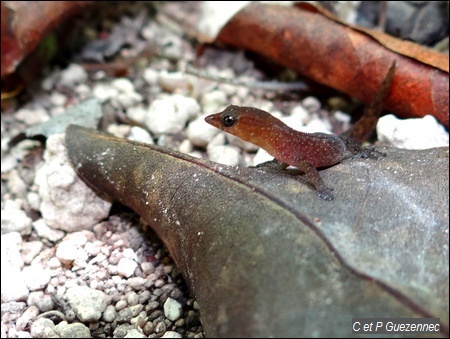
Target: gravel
[(72, 264)]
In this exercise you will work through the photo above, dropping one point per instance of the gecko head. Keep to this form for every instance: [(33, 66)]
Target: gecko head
[(225, 119)]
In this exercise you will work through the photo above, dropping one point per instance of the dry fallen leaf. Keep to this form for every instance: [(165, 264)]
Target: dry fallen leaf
[(347, 59), (265, 256), (25, 23)]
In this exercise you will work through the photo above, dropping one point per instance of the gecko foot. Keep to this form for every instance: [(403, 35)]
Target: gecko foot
[(272, 165)]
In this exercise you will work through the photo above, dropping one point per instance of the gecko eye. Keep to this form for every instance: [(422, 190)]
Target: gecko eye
[(228, 120)]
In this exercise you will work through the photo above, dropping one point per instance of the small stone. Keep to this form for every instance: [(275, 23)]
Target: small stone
[(169, 114), (200, 133), (172, 334), (67, 252), (136, 283), (172, 309), (134, 333), (45, 304), (109, 314), (213, 102), (58, 99), (227, 155), (67, 202), (75, 330), (123, 85), (35, 277), (87, 303), (141, 135), (46, 232), (132, 298), (420, 133), (34, 200), (73, 75), (14, 219), (104, 92), (126, 267), (32, 117), (40, 327), (27, 317), (311, 104), (13, 287), (126, 100), (121, 304), (30, 250), (11, 260), (137, 113), (147, 267)]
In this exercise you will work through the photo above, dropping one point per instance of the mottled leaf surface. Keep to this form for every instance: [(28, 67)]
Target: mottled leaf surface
[(265, 256)]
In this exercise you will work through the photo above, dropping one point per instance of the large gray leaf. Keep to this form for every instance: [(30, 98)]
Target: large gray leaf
[(265, 256)]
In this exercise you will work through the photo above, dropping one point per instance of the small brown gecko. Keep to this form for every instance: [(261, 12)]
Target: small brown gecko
[(306, 151)]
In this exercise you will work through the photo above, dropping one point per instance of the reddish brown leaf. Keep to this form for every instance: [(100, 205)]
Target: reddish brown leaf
[(344, 58), (25, 23)]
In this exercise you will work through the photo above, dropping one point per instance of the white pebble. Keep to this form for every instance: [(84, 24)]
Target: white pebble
[(126, 267), (34, 200), (123, 85), (13, 287), (73, 75), (66, 252), (75, 330), (127, 100), (46, 232), (35, 277), (200, 133), (213, 102), (134, 333), (109, 314), (172, 334), (30, 250), (11, 260), (104, 92), (14, 219), (141, 135), (87, 303), (420, 133), (227, 155), (32, 117), (312, 104), (169, 114), (58, 99), (172, 309), (137, 113), (76, 206)]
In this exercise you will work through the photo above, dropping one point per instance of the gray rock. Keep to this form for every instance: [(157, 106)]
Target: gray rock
[(420, 133), (172, 309), (30, 250), (67, 203), (35, 277), (172, 334), (109, 314), (126, 267), (11, 260), (40, 327), (169, 114), (46, 232), (76, 330), (87, 303), (200, 133), (135, 334), (73, 75), (14, 219)]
